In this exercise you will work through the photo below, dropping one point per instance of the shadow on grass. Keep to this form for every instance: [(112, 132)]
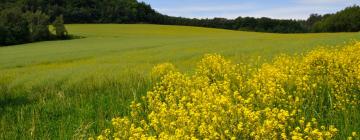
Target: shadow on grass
[(52, 38), (8, 102)]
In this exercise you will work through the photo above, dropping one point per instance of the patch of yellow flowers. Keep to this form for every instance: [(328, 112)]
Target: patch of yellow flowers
[(287, 99)]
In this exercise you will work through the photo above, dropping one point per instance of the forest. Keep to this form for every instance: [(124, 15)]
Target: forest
[(23, 21)]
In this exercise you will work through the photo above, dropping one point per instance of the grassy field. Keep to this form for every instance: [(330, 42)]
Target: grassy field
[(67, 89)]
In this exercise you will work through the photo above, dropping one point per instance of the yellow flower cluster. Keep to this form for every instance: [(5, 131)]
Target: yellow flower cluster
[(282, 100), (162, 69)]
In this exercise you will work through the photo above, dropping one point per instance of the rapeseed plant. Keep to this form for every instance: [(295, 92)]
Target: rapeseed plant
[(290, 98)]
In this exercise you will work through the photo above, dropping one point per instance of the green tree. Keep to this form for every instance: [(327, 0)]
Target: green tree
[(313, 18), (14, 27), (59, 28), (3, 34), (38, 25), (347, 20)]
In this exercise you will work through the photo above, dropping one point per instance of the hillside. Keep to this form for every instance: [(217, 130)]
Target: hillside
[(156, 42)]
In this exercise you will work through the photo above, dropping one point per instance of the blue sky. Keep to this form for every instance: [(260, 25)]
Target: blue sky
[(280, 9)]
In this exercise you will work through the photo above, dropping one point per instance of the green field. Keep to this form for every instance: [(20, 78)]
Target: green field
[(66, 89)]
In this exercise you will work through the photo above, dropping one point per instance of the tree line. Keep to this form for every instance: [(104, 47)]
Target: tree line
[(347, 20), (24, 21), (241, 23)]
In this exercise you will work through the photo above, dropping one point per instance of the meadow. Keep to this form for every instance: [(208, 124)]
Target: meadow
[(74, 88)]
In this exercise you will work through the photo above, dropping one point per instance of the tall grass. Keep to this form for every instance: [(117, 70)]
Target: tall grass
[(43, 109)]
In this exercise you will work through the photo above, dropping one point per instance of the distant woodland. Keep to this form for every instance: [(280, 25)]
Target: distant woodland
[(23, 21)]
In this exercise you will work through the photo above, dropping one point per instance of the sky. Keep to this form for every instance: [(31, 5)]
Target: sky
[(279, 9)]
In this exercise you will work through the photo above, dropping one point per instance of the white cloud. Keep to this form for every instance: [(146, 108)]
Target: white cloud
[(297, 12), (209, 8)]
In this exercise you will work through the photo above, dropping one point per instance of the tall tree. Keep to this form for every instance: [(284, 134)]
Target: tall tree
[(38, 25), (14, 26), (347, 20), (59, 27)]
